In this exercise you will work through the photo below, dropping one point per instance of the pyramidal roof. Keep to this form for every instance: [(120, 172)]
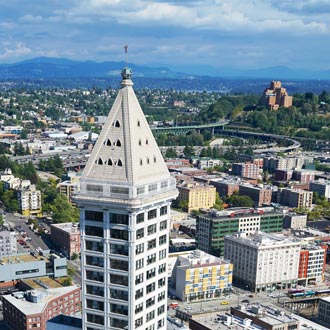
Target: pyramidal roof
[(126, 152)]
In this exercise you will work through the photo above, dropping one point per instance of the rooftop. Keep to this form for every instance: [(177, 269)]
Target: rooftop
[(241, 212), (69, 227), (198, 258), (261, 239), (42, 283), (28, 308), (27, 257)]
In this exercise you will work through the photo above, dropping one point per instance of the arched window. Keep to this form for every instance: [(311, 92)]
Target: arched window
[(141, 162), (147, 142), (148, 162), (119, 163), (138, 123), (118, 143), (117, 123), (140, 142), (109, 162), (100, 161), (155, 159), (108, 143)]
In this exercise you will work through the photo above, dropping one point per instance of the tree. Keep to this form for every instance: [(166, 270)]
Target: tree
[(240, 201), (188, 151), (218, 202), (171, 153), (63, 211)]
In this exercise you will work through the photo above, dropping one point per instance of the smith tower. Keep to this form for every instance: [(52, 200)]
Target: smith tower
[(124, 200)]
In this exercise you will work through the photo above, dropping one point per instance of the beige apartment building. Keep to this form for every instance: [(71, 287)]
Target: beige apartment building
[(276, 96), (197, 196)]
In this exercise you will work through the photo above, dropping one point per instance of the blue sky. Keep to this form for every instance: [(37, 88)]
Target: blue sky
[(221, 33)]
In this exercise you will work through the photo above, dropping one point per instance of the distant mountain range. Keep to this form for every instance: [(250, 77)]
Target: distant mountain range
[(45, 67)]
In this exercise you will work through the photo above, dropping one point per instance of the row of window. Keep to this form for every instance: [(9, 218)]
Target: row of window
[(151, 229), (150, 273), (122, 218)]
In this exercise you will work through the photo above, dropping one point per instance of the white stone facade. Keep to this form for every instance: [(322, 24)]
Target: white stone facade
[(124, 200), (263, 261)]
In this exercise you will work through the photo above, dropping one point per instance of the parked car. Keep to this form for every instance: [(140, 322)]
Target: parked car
[(173, 305)]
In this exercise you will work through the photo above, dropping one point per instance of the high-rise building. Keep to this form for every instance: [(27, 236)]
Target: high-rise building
[(276, 96), (124, 200)]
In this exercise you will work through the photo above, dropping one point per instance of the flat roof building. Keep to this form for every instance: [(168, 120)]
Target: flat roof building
[(200, 276), (263, 261), (197, 196), (26, 265), (32, 309), (66, 236), (211, 228)]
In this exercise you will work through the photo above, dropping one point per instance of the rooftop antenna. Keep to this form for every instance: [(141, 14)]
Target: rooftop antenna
[(126, 52)]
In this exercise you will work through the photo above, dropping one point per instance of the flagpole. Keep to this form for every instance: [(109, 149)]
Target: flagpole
[(126, 52)]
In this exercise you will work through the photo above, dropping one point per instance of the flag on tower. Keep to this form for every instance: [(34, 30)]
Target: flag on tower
[(126, 47)]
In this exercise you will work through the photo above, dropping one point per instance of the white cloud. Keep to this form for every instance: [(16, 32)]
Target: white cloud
[(216, 15), (31, 19), (19, 50)]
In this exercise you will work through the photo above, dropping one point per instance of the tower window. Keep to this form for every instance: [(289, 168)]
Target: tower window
[(155, 159), (107, 142), (100, 161), (141, 162), (117, 123), (119, 163), (138, 123), (140, 142), (147, 141), (148, 162), (110, 162), (118, 143)]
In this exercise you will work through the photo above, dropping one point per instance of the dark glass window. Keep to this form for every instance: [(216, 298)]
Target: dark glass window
[(93, 215)]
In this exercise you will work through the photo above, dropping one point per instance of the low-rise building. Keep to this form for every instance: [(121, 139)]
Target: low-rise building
[(297, 198), (66, 236), (312, 263), (252, 317), (294, 221), (321, 186), (263, 261), (246, 170), (225, 187), (29, 201), (324, 310), (211, 228), (200, 276), (261, 195), (33, 308), (8, 242), (26, 265), (197, 196)]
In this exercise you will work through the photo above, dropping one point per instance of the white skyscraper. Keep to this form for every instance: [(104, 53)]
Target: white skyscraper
[(124, 200)]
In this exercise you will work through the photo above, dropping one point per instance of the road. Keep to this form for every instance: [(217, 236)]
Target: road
[(17, 220)]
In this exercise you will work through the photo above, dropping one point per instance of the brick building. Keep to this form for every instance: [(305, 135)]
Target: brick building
[(259, 194), (66, 236), (33, 308)]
